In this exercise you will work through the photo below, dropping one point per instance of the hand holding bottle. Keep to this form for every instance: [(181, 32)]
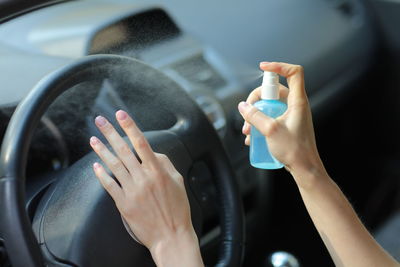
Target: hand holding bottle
[(291, 140), (290, 136)]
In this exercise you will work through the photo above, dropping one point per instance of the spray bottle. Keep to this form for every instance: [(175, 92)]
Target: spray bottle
[(260, 157)]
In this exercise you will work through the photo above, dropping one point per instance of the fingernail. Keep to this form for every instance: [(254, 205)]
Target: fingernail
[(96, 165), (243, 106), (244, 127), (264, 63), (247, 140), (94, 140), (100, 121), (121, 115)]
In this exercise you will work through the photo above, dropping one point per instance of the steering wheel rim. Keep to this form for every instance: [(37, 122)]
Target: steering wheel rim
[(15, 227)]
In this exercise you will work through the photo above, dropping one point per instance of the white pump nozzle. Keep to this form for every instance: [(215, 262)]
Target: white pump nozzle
[(270, 86)]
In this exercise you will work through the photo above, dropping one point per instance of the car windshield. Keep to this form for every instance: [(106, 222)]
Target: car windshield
[(12, 8)]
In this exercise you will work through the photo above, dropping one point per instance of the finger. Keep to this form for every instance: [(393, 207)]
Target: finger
[(254, 96), (112, 162), (137, 138), (109, 184), (283, 93), (166, 163), (118, 144), (246, 128), (266, 125), (293, 73), (247, 140)]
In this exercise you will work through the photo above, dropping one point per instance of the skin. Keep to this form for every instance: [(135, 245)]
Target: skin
[(291, 140), (152, 197), (153, 201)]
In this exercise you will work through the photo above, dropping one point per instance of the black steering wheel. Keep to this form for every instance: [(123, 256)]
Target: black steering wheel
[(76, 222)]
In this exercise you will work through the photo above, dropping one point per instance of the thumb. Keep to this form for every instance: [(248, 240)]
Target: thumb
[(266, 125)]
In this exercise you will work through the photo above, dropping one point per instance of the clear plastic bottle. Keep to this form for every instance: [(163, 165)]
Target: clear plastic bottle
[(260, 157)]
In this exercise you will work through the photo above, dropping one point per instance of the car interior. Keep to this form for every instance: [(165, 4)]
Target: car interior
[(180, 68)]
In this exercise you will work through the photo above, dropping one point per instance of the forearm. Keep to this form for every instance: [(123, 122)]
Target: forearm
[(346, 238), (182, 250)]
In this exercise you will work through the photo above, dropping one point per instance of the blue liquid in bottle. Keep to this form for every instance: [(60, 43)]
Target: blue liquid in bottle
[(260, 157)]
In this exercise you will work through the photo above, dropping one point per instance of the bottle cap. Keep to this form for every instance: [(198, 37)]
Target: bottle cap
[(270, 86)]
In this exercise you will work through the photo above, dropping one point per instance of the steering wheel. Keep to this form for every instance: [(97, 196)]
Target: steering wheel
[(76, 222)]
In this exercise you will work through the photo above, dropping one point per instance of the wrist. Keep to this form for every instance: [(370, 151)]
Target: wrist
[(307, 173), (179, 249)]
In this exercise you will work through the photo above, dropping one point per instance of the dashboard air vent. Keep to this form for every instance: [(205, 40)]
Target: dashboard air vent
[(199, 73)]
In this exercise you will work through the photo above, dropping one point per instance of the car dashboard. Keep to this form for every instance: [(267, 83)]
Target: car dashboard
[(211, 49)]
